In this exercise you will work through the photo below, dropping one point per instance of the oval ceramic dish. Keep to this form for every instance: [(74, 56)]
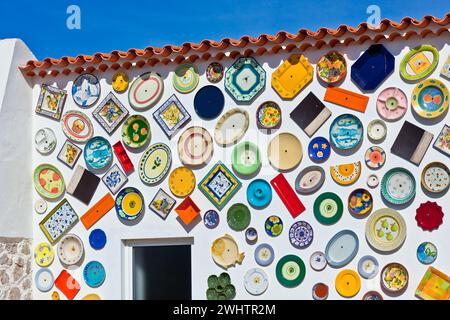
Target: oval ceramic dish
[(155, 163), (419, 62), (346, 132), (290, 271), (245, 158), (70, 249), (48, 181), (94, 274), (145, 91), (331, 67), (429, 99), (435, 177), (231, 127), (360, 202), (309, 180), (342, 248), (136, 131), (398, 186), (285, 151), (129, 204), (98, 153), (77, 126), (328, 208), (186, 78), (268, 115), (86, 90), (385, 230), (392, 104), (256, 281), (195, 146)]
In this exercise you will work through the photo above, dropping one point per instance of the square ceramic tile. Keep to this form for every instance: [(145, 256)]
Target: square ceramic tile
[(171, 116), (445, 71), (162, 204), (442, 142), (219, 185), (59, 221), (114, 179), (51, 102), (110, 113), (69, 154)]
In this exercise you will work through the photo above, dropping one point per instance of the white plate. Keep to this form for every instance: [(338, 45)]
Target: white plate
[(256, 281)]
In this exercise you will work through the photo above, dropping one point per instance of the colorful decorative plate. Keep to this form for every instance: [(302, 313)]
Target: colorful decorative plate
[(419, 62), (398, 186), (360, 202), (377, 130), (442, 143), (110, 113), (445, 70), (231, 127), (245, 158), (97, 239), (186, 78), (195, 146), (136, 131), (45, 140), (331, 67), (219, 185), (392, 104), (309, 180), (328, 208), (245, 79), (97, 153), (44, 280), (394, 278), (285, 151), (86, 90), (435, 177), (319, 149), (292, 76), (273, 226), (368, 267), (209, 102), (429, 98), (120, 81), (171, 116), (91, 296), (348, 283), (238, 217), (268, 115), (372, 295), (427, 252), (259, 193), (214, 72), (256, 281), (94, 274), (48, 181), (182, 181), (318, 261), (342, 248), (44, 254), (211, 219), (434, 285), (429, 216), (70, 249), (129, 204), (346, 132), (225, 252), (145, 91), (155, 163), (373, 181), (320, 291), (77, 126), (346, 174), (40, 206), (251, 235), (375, 157), (385, 230), (264, 254), (290, 271), (301, 234)]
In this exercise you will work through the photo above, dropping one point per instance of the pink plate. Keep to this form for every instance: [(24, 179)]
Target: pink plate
[(392, 104)]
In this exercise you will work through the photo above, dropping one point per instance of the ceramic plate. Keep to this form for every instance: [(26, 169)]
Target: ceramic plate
[(251, 235), (294, 74), (392, 104), (377, 130), (44, 254), (120, 81), (435, 177), (309, 180), (129, 204), (429, 99), (301, 234), (346, 132), (48, 181), (268, 115), (342, 248), (290, 271), (385, 230), (394, 278), (328, 208), (155, 163), (238, 217), (264, 254), (231, 127), (110, 113), (70, 249), (45, 140), (429, 216), (98, 153), (398, 186), (368, 267), (372, 295), (225, 252), (318, 261), (419, 62), (211, 219), (320, 291), (40, 206), (427, 252), (145, 91), (44, 280), (186, 78), (195, 146), (246, 158), (319, 149), (209, 102), (256, 281), (171, 116), (77, 126), (348, 283), (182, 181), (214, 72), (375, 157), (285, 151), (433, 286), (86, 90), (372, 181), (346, 174), (259, 193), (97, 239), (94, 274), (442, 143), (331, 67), (136, 131), (245, 79), (273, 226), (360, 202)]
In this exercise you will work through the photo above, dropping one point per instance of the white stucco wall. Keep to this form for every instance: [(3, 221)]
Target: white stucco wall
[(152, 226)]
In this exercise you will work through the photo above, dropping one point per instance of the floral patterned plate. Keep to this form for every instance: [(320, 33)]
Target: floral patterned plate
[(268, 115), (273, 226), (171, 116), (331, 67), (48, 181), (155, 163)]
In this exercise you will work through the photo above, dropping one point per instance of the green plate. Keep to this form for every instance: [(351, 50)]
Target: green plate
[(328, 208), (211, 294), (48, 181), (136, 131), (230, 291), (246, 158), (238, 217), (398, 186), (185, 78), (224, 279), (418, 63), (290, 271)]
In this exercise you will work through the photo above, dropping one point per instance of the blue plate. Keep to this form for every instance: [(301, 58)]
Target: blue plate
[(86, 90), (129, 204), (97, 153), (211, 219), (368, 267), (346, 132), (342, 248), (264, 254), (209, 102), (97, 239), (251, 235), (426, 252), (94, 274), (44, 279), (273, 226), (259, 193), (319, 149)]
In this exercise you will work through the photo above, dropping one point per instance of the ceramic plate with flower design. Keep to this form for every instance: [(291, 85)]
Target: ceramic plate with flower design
[(331, 67), (136, 131), (155, 163), (171, 116), (268, 115), (48, 181), (273, 226), (110, 113)]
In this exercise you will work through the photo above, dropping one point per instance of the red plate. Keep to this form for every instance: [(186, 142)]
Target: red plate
[(429, 216)]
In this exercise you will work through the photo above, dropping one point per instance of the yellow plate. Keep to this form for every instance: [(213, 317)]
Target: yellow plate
[(44, 254), (292, 76), (91, 296), (429, 98), (120, 81), (132, 204), (182, 181), (348, 283), (346, 174)]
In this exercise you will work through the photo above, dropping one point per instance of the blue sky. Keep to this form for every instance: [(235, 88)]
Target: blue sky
[(113, 24)]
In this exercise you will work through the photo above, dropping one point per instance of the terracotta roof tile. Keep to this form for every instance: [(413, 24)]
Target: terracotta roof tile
[(210, 49)]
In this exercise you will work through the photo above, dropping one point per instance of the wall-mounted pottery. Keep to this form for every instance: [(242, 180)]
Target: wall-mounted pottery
[(123, 157), (346, 174), (368, 267), (195, 146), (209, 102), (211, 219), (301, 234), (155, 163), (375, 157), (377, 130), (346, 98), (45, 141), (225, 252), (67, 284), (94, 274), (268, 115), (398, 186), (394, 278), (98, 210), (120, 81), (182, 181), (372, 181), (40, 206), (145, 91), (185, 78), (360, 202), (86, 90), (245, 79), (136, 131), (285, 151), (331, 67), (264, 254), (231, 127), (214, 72), (51, 102), (385, 230), (426, 252), (435, 177), (259, 193), (188, 211), (238, 217), (251, 235), (171, 116), (77, 126), (434, 285), (162, 204), (44, 280), (44, 254), (319, 149), (320, 291), (129, 204), (372, 295), (110, 113), (429, 99), (442, 142), (97, 153), (83, 184), (346, 132), (328, 208), (287, 195), (348, 283), (392, 104), (419, 62), (97, 239), (290, 271), (309, 180), (256, 281), (273, 226), (429, 216), (114, 179), (318, 261), (69, 154), (245, 158), (342, 248), (310, 114), (48, 181), (292, 76), (220, 287), (59, 221), (445, 71), (70, 249)]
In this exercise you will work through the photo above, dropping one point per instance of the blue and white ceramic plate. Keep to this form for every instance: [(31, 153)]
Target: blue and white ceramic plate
[(301, 234), (264, 254), (86, 90), (427, 252), (97, 239), (319, 149), (368, 267), (97, 153), (44, 280), (259, 193), (342, 248), (251, 235), (211, 219), (94, 274), (346, 132)]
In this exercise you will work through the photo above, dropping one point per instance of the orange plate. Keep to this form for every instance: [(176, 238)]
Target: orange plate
[(187, 210), (67, 285), (346, 98), (97, 211)]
